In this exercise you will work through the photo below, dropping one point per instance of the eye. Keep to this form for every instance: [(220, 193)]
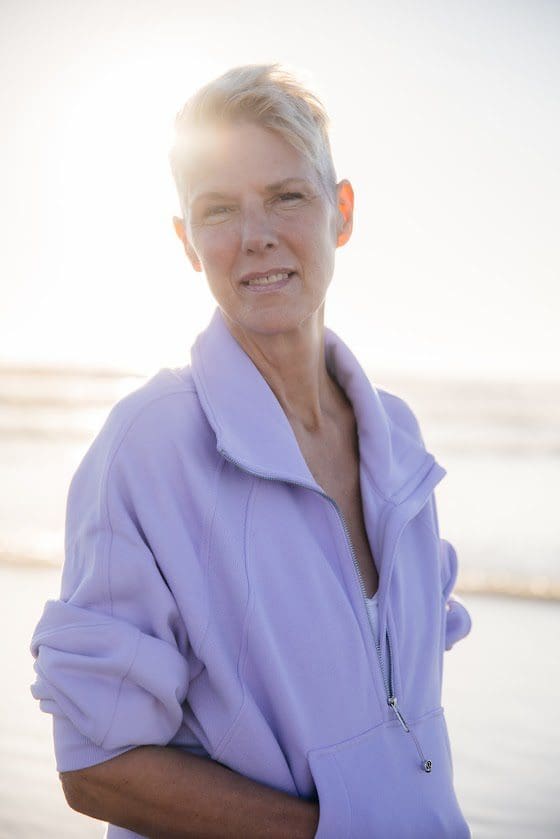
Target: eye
[(289, 196), (212, 211)]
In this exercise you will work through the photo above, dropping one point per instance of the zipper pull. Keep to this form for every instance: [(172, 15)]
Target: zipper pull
[(392, 701), (426, 764)]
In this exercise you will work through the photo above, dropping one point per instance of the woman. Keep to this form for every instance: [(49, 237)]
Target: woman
[(255, 598)]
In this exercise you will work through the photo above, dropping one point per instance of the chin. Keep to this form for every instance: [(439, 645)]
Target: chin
[(274, 321)]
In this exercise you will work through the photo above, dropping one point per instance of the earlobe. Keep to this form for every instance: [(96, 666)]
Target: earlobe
[(345, 231), (345, 197)]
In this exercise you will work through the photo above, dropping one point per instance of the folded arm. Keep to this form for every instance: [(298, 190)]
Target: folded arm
[(165, 793)]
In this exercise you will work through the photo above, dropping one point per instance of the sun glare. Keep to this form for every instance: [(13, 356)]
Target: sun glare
[(109, 245)]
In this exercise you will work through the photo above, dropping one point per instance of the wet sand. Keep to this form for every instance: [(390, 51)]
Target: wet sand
[(501, 698)]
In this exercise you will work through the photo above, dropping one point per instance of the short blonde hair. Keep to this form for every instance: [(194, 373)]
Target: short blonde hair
[(266, 94)]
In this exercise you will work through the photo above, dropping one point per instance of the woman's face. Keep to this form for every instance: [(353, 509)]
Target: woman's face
[(256, 205)]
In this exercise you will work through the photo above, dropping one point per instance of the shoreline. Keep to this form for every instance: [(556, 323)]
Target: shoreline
[(537, 588)]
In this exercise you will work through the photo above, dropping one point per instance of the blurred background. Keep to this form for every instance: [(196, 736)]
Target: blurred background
[(445, 116)]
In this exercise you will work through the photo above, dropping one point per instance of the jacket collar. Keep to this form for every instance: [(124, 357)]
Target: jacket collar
[(253, 431)]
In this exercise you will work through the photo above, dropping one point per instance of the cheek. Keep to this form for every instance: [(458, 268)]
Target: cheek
[(217, 248), (319, 244), (317, 229), (304, 234)]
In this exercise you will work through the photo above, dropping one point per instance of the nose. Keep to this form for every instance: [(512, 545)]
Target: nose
[(258, 232)]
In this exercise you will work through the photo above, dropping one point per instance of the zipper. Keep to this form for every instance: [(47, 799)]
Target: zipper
[(391, 698), (392, 701)]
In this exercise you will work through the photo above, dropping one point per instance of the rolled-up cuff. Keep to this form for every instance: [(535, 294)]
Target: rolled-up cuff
[(74, 751), (458, 622)]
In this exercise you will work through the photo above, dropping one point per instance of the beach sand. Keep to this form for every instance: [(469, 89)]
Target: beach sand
[(501, 698)]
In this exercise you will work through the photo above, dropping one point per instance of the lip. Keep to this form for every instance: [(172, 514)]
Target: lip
[(256, 274), (269, 287)]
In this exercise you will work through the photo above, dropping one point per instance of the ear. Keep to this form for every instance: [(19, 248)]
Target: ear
[(345, 212), (179, 226)]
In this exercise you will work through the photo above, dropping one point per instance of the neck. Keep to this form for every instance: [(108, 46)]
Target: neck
[(293, 364)]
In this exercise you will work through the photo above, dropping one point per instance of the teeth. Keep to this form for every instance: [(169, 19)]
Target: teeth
[(272, 278)]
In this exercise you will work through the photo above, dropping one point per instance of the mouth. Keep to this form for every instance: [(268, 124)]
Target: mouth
[(271, 281)]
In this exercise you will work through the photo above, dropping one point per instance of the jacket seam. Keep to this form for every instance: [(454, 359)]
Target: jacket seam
[(123, 677), (132, 421), (181, 381), (228, 735), (206, 553), (120, 438), (105, 482), (349, 742), (48, 632), (244, 645), (244, 642), (346, 794)]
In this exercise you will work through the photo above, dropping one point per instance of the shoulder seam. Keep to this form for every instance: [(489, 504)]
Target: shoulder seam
[(144, 406), (179, 379), (105, 479)]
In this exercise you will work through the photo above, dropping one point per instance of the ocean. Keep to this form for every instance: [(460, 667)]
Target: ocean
[(498, 440)]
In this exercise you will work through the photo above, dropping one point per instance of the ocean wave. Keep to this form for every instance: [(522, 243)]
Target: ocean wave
[(469, 582)]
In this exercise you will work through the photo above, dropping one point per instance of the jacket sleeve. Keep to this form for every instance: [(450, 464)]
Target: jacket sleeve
[(458, 619), (110, 657)]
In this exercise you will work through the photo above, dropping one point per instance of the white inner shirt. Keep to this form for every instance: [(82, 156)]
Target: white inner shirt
[(372, 604)]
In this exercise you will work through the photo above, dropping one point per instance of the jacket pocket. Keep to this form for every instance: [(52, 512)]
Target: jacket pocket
[(374, 787)]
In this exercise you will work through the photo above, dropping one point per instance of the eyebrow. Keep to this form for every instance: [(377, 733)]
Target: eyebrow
[(269, 188)]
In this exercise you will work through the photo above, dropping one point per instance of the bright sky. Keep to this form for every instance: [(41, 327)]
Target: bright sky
[(445, 118)]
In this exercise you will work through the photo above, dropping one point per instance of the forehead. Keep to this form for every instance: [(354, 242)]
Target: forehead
[(235, 157)]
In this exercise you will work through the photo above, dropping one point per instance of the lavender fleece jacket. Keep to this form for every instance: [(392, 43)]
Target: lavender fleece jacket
[(210, 594)]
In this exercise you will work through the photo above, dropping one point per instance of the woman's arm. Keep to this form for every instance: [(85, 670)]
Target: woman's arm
[(162, 792)]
